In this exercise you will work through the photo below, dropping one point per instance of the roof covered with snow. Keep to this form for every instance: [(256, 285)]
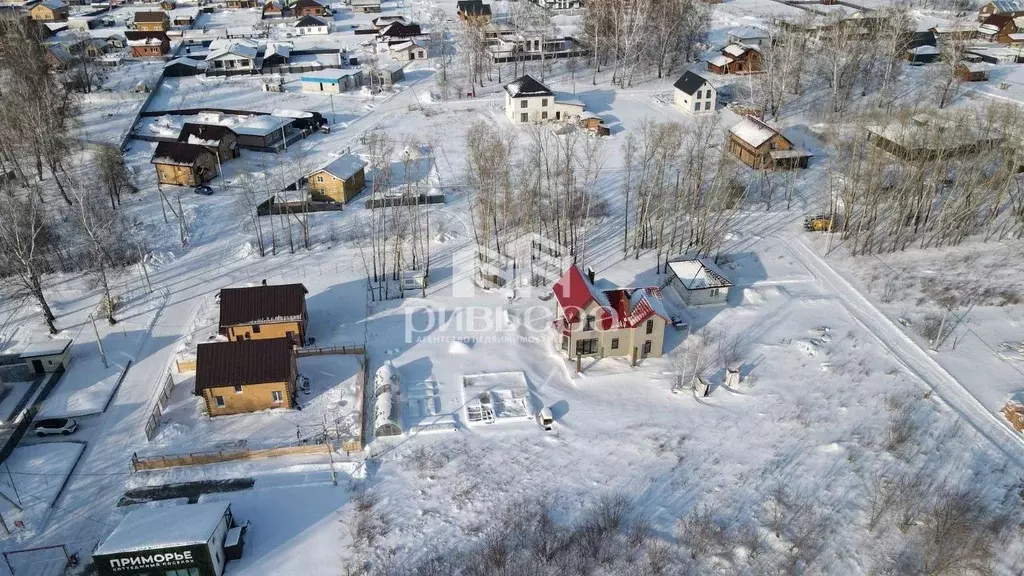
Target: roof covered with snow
[(699, 274), (329, 75), (747, 33), (753, 131), (54, 4), (736, 49), (526, 86), (344, 167), (277, 49), (261, 125), (720, 60), (1002, 6), (185, 61), (165, 526), (45, 348)]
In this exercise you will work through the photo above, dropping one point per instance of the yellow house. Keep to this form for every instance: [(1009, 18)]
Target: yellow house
[(614, 321), (50, 11), (264, 312), (183, 164), (247, 376), (152, 21), (339, 181)]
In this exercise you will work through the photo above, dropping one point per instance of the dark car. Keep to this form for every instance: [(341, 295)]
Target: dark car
[(204, 190), (63, 426)]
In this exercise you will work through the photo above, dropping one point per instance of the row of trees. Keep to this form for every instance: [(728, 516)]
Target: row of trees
[(57, 215), (946, 178)]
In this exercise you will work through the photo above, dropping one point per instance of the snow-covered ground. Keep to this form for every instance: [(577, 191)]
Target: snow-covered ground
[(825, 367)]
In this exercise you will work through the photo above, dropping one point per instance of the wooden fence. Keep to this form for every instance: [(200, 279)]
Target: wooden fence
[(202, 458)]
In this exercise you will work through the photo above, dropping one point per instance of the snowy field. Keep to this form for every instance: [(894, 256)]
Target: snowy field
[(839, 397), (33, 477)]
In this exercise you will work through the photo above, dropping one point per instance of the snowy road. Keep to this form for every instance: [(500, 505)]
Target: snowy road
[(912, 356)]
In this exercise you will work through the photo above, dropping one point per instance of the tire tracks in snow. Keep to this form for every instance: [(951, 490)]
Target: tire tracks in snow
[(912, 356)]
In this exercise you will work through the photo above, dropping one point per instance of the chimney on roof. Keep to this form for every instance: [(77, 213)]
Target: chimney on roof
[(264, 282), (590, 274)]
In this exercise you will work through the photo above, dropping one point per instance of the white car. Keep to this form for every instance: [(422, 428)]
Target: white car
[(62, 426)]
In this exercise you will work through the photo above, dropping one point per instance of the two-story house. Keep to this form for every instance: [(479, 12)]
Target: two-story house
[(249, 376), (608, 321), (762, 147), (694, 94), (527, 100), (261, 312), (152, 21)]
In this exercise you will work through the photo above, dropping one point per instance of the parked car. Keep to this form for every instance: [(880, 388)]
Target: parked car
[(62, 426), (204, 190)]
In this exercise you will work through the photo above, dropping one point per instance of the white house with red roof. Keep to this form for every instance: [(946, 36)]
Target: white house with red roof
[(608, 321)]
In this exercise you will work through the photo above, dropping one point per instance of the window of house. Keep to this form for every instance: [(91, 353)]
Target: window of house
[(238, 388), (522, 103), (696, 106), (589, 324), (647, 347), (319, 178), (543, 102), (707, 105), (219, 400), (713, 292), (615, 343), (698, 95), (243, 62), (588, 346), (650, 326), (543, 115), (565, 342), (276, 396), (256, 328), (524, 117)]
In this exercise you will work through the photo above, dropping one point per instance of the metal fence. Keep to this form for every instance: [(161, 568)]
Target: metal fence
[(153, 423)]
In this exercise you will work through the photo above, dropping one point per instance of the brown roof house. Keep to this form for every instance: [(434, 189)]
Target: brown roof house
[(473, 11), (50, 11), (308, 8), (181, 164), (998, 28), (218, 139), (339, 181), (148, 44), (762, 147), (736, 58), (152, 21), (971, 71), (249, 376), (264, 312), (58, 57), (242, 3)]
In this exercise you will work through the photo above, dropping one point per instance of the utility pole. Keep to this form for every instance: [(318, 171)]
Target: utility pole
[(11, 476), (142, 262), (99, 342), (181, 222), (330, 452)]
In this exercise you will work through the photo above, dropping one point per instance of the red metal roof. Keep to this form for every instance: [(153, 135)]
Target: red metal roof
[(626, 307)]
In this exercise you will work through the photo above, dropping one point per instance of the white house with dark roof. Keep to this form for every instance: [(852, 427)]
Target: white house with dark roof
[(694, 94), (527, 100), (309, 25)]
